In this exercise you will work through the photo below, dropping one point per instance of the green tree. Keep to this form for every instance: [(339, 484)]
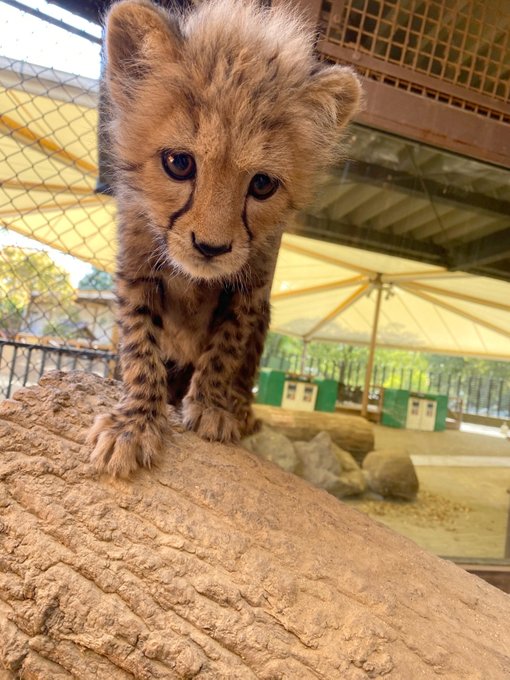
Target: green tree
[(31, 284), (96, 280)]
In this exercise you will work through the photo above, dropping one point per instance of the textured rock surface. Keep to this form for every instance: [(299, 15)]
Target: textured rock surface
[(325, 465), (351, 433), (273, 446), (217, 565), (390, 472)]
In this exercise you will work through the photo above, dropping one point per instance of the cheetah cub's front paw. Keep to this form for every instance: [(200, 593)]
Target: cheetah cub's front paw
[(122, 444), (210, 422)]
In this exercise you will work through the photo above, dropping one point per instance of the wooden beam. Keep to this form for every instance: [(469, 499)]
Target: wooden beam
[(419, 275), (419, 186), (322, 288), (422, 118), (458, 296), (453, 310), (366, 238), (23, 134), (453, 128), (342, 307)]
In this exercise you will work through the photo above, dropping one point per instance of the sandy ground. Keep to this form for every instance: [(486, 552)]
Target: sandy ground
[(462, 509)]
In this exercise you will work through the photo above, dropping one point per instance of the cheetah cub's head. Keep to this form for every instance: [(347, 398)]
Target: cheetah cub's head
[(221, 121)]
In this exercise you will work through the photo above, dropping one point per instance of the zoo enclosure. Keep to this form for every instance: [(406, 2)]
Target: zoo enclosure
[(480, 395), (49, 169)]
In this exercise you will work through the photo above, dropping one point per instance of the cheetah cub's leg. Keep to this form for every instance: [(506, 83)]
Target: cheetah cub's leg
[(132, 435), (242, 390), (218, 403)]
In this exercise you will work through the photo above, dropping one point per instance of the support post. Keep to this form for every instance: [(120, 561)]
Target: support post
[(371, 353)]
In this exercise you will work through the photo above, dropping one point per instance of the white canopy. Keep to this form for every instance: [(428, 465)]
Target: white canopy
[(324, 291)]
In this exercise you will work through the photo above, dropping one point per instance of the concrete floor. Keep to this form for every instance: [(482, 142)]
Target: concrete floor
[(472, 440), (462, 510)]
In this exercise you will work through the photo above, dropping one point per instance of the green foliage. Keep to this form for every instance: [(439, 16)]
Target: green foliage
[(402, 364), (31, 280), (398, 363), (96, 280)]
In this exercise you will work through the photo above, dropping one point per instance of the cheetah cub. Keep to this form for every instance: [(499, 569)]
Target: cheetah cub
[(221, 120)]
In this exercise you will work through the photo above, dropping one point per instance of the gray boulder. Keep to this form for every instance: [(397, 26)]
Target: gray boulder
[(391, 473), (327, 466), (273, 446)]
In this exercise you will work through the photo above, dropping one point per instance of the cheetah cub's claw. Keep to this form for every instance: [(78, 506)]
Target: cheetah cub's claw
[(123, 444), (210, 422)]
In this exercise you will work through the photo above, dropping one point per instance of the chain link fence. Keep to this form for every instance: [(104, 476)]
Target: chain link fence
[(56, 230)]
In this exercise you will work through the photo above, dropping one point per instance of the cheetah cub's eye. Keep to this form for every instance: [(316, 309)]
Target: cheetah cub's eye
[(263, 186), (179, 165)]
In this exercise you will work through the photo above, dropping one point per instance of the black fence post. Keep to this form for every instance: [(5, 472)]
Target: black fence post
[(470, 384), (489, 395), (500, 397), (478, 393), (11, 372), (27, 367)]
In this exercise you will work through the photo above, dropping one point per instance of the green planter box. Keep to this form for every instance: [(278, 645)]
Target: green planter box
[(326, 395), (395, 408), (270, 387)]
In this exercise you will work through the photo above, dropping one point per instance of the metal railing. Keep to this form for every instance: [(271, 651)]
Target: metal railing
[(23, 364)]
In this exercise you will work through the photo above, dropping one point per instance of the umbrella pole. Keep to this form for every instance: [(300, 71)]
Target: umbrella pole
[(371, 353)]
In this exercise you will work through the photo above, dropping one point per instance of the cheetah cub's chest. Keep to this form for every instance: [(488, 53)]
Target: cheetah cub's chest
[(187, 317)]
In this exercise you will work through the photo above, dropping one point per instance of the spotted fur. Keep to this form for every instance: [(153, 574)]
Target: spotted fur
[(237, 87)]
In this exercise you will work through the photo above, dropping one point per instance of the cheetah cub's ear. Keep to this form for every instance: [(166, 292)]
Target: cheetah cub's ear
[(334, 94), (139, 35)]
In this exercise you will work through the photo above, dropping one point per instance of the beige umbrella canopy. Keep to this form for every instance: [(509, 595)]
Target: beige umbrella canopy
[(329, 292), (322, 291)]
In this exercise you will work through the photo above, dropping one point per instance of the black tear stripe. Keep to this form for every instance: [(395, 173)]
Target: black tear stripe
[(245, 220), (179, 213)]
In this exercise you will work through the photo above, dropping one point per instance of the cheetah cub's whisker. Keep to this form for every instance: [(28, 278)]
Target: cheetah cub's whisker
[(221, 120)]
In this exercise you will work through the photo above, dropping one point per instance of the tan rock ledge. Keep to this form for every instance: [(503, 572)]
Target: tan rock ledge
[(217, 565)]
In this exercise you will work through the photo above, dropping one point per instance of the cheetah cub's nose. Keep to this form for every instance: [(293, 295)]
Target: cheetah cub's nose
[(209, 250)]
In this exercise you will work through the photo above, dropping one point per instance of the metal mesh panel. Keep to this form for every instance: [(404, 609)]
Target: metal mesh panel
[(56, 232), (455, 52)]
